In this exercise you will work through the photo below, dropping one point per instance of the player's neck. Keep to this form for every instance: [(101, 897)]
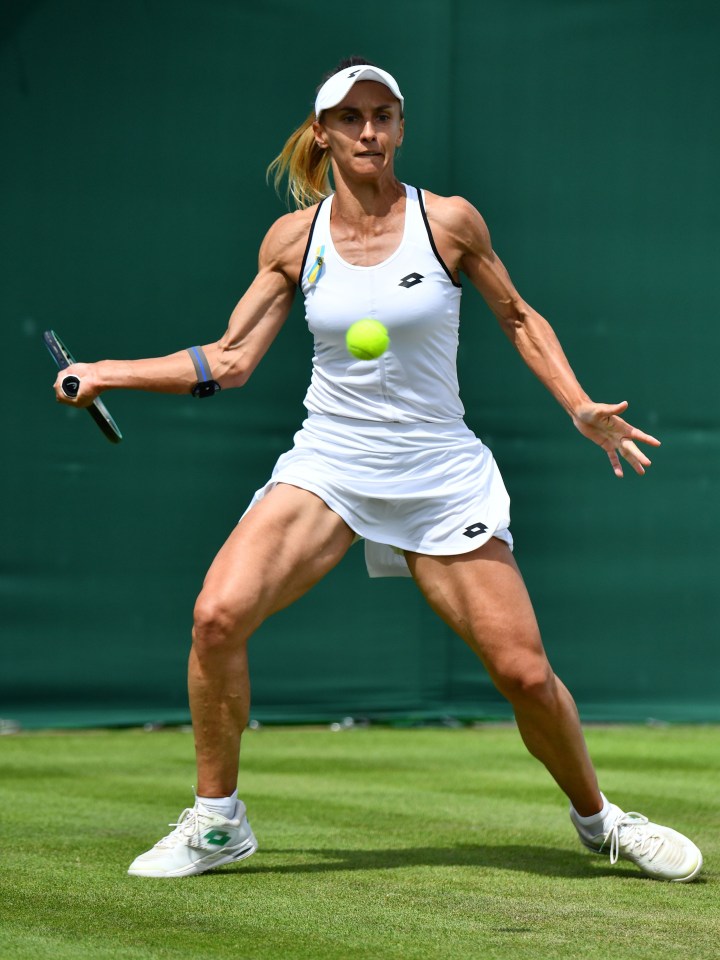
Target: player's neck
[(372, 199)]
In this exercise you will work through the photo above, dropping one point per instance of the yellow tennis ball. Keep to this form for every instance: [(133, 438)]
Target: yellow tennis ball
[(367, 339)]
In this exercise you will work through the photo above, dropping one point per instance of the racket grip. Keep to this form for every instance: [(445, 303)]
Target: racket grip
[(70, 386)]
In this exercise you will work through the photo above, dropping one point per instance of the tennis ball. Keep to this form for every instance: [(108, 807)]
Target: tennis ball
[(367, 339)]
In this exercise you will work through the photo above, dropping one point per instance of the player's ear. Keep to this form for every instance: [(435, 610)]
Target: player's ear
[(401, 134), (320, 135)]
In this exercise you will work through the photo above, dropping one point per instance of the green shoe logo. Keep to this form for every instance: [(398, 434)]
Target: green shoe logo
[(217, 837)]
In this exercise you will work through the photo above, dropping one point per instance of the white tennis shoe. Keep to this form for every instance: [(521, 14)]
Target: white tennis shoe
[(660, 852), (201, 840)]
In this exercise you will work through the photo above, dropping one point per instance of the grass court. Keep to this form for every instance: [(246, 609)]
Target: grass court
[(375, 844)]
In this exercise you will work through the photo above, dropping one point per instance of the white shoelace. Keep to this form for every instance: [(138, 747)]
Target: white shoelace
[(187, 822), (635, 839), (186, 826)]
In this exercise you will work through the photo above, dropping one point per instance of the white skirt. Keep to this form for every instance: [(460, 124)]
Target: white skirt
[(431, 488)]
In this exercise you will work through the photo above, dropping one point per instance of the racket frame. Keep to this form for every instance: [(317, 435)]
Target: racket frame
[(97, 409)]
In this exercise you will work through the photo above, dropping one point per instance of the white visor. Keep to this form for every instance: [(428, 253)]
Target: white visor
[(334, 90)]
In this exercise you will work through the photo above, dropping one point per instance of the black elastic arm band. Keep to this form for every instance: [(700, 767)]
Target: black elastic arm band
[(206, 386)]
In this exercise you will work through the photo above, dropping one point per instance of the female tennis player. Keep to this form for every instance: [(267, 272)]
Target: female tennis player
[(385, 455)]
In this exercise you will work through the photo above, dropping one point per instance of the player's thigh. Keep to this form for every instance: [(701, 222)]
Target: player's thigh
[(483, 597), (282, 546)]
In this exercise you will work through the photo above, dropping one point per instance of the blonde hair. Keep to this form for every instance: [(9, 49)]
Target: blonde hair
[(306, 166)]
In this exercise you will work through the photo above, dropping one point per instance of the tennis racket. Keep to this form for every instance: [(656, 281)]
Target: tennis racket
[(71, 385)]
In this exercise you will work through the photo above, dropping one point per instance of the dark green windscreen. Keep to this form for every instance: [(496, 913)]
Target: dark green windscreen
[(135, 137)]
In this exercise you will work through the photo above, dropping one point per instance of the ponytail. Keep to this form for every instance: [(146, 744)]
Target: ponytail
[(306, 166)]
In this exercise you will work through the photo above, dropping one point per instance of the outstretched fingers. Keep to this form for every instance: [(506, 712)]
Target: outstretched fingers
[(602, 423), (635, 434), (632, 454), (629, 450)]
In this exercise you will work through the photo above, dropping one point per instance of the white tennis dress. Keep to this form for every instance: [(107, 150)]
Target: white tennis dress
[(385, 444)]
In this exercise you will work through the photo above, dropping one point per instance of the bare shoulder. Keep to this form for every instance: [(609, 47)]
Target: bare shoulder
[(284, 244), (459, 219)]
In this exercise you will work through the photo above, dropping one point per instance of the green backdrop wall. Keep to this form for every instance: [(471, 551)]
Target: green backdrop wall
[(135, 139)]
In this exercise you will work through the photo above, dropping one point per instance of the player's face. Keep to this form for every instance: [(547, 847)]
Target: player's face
[(363, 132)]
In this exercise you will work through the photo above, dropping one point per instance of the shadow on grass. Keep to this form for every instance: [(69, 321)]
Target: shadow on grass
[(547, 861)]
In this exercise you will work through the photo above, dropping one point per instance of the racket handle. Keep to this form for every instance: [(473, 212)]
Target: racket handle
[(70, 386)]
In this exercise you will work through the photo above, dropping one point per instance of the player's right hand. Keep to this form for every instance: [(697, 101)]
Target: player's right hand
[(87, 390)]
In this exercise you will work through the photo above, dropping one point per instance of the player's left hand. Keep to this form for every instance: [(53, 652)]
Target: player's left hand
[(601, 423)]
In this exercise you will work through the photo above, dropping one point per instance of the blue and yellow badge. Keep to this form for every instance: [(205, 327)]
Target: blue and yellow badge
[(318, 267)]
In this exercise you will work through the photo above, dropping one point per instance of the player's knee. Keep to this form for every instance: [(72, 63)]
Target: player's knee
[(528, 683), (215, 627)]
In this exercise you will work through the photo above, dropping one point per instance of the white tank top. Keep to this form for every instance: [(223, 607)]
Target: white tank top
[(414, 295)]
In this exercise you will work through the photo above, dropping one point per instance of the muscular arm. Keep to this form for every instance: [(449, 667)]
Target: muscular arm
[(463, 237), (253, 325)]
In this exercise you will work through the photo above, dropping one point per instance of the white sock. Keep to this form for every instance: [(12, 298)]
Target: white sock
[(597, 819), (225, 806)]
